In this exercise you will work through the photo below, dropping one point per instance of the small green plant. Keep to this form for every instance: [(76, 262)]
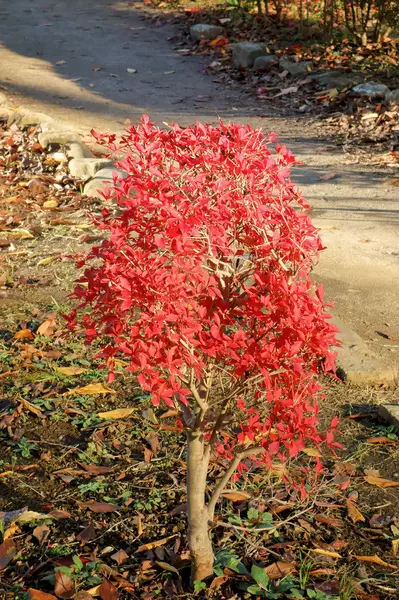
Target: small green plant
[(24, 447), (82, 574), (199, 586), (93, 487)]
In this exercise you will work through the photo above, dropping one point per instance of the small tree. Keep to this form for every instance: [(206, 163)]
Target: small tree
[(203, 284)]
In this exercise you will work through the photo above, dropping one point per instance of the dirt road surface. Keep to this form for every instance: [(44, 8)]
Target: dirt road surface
[(70, 59)]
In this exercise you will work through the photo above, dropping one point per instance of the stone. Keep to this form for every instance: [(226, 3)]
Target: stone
[(357, 364), (86, 168), (24, 117), (390, 413), (101, 181), (392, 97), (264, 63), (78, 150), (336, 79), (296, 69), (245, 53), (371, 90), (3, 99), (202, 31)]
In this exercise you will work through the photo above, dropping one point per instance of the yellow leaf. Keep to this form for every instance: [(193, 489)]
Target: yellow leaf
[(94, 591), (68, 371), (236, 496), (326, 553), (21, 234), (118, 413), (312, 452), (92, 389), (376, 560), (50, 204), (11, 531), (353, 512), (395, 547), (24, 334), (380, 481), (156, 544), (46, 261)]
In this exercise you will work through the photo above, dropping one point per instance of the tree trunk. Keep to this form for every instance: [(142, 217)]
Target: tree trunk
[(201, 550)]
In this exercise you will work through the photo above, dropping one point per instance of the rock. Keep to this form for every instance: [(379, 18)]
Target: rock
[(101, 181), (390, 413), (264, 63), (53, 134), (201, 31), (336, 79), (78, 150), (3, 99), (392, 97), (296, 69), (245, 53), (371, 90), (357, 364), (86, 168), (24, 117)]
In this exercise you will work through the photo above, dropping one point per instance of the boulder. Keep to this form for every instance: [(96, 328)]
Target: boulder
[(78, 150), (102, 180), (245, 53), (336, 79), (392, 97), (201, 31), (296, 69), (265, 63), (86, 168), (23, 117), (371, 90)]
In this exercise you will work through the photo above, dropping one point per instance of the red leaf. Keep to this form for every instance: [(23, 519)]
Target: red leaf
[(108, 591), (99, 507)]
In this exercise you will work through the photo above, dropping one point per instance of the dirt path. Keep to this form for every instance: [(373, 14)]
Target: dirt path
[(358, 210)]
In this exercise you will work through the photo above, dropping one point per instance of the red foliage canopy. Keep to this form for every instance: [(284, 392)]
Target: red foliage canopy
[(203, 284)]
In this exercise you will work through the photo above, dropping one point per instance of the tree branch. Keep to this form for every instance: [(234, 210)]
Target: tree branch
[(226, 477)]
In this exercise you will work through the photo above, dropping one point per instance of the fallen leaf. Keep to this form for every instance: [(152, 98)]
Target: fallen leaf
[(118, 413), (38, 595), (7, 552), (11, 531), (41, 533), (156, 544), (167, 567), (236, 496), (31, 515), (375, 560), (99, 507), (395, 547), (108, 591), (380, 481), (48, 327), (83, 595), (49, 204), (312, 452), (92, 389), (87, 534), (59, 514), (64, 587), (279, 569), (21, 234), (395, 182), (131, 70), (69, 371), (329, 521), (46, 261), (327, 176), (120, 557), (97, 68), (323, 552), (97, 469), (31, 408), (24, 334), (353, 512), (169, 72)]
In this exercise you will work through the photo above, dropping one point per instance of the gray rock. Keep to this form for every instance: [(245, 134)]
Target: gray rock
[(102, 180), (245, 53), (24, 117), (296, 69), (3, 99), (264, 63), (78, 150), (336, 79), (86, 168), (371, 90), (202, 31), (392, 97)]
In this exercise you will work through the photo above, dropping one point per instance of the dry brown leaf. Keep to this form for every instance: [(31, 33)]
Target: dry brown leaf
[(353, 512), (87, 534), (41, 533), (38, 595), (380, 481), (99, 507), (47, 328), (92, 389), (323, 552), (218, 581), (108, 591), (375, 560), (64, 586), (32, 408), (120, 557), (7, 552), (156, 544), (118, 413), (236, 496), (280, 569), (329, 521)]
